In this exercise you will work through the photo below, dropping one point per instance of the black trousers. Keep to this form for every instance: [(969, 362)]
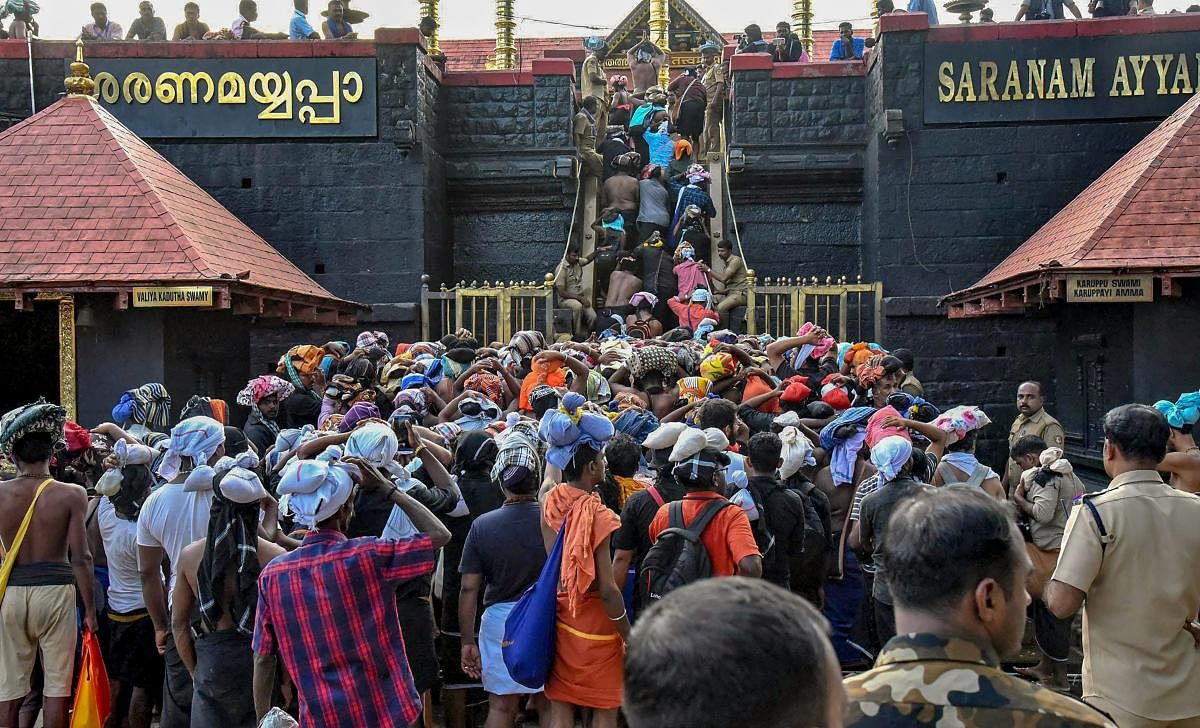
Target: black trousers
[(1053, 635), (885, 621), (177, 690), (691, 119), (224, 693)]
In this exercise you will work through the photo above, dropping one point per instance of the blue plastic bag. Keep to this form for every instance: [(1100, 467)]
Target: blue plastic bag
[(528, 645)]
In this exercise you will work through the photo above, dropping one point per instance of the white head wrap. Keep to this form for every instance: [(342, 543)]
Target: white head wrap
[(797, 452), (197, 438), (693, 441), (237, 480), (286, 442), (316, 489), (375, 443), (665, 436), (889, 456), (127, 454)]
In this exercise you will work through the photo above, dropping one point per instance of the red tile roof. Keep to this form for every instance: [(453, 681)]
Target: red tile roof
[(90, 203), (1141, 214), (473, 54)]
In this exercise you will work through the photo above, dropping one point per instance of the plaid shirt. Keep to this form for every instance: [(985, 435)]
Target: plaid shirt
[(329, 609)]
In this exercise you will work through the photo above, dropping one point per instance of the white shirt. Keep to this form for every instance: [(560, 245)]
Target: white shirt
[(238, 27), (172, 518), (120, 548)]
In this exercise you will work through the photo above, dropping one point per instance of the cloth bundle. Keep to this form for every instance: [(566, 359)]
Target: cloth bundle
[(961, 420), (149, 405), (889, 456), (264, 386), (196, 438), (317, 488), (1184, 412), (569, 426), (652, 358), (797, 452), (877, 431)]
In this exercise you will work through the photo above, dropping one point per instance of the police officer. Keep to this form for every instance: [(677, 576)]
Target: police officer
[(1032, 419), (1133, 551)]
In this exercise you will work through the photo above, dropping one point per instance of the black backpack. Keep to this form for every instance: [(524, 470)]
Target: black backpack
[(678, 557)]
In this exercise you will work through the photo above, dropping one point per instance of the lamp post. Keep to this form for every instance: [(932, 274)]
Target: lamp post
[(506, 52), (429, 18), (660, 21), (802, 16)]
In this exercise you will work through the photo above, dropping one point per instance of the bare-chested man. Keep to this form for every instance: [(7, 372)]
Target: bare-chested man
[(645, 61), (1182, 461), (50, 562), (621, 192), (213, 575), (652, 373), (622, 284)]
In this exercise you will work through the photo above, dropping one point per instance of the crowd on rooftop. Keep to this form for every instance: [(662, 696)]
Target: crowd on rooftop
[(707, 532)]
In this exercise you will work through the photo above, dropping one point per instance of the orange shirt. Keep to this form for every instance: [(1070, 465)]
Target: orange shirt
[(728, 537)]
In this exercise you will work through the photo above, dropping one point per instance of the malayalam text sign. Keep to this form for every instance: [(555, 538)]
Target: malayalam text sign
[(173, 296), (239, 97), (1046, 79), (1109, 289)]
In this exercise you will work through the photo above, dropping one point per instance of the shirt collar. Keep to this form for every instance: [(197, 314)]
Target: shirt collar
[(1033, 417), (917, 647), (1136, 477), (323, 536)]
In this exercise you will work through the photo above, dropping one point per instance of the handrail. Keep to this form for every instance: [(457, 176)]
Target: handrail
[(737, 235)]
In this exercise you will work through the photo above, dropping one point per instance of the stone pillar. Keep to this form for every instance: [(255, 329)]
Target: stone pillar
[(802, 16), (660, 23), (429, 9), (506, 52)]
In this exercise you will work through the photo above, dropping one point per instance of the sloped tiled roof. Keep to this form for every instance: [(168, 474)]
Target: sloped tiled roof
[(472, 54), (90, 203), (1142, 213)]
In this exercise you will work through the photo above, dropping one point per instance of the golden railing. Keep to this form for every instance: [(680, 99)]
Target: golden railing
[(491, 311), (848, 311)]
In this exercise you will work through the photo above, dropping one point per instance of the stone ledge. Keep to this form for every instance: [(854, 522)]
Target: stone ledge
[(913, 306), (391, 313)]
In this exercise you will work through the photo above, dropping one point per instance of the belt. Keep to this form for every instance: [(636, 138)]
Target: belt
[(596, 637), (128, 617)]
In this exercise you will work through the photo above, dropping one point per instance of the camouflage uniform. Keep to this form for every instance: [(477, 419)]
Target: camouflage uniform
[(927, 680)]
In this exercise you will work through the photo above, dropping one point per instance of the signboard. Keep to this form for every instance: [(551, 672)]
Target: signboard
[(1046, 79), (173, 296), (239, 97), (1109, 289)]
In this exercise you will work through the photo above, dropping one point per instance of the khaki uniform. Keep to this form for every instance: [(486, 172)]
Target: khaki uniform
[(927, 680), (733, 293), (1142, 584), (570, 278), (715, 80), (583, 130), (1040, 424), (913, 386)]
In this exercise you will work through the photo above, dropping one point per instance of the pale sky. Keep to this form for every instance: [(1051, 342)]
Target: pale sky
[(474, 18)]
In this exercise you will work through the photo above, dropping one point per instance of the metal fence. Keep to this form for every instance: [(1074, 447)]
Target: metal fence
[(848, 311), (491, 311)]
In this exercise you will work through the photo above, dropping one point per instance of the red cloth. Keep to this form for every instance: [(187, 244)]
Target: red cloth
[(796, 391), (78, 438), (756, 385)]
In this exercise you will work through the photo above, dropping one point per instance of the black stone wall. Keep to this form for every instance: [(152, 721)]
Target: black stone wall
[(824, 110)]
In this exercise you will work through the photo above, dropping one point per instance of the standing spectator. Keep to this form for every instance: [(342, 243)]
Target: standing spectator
[(23, 25), (146, 26), (956, 568), (1135, 549), (788, 47), (311, 598), (299, 28), (38, 611), (752, 41), (715, 77), (191, 28), (781, 508), (242, 30), (1032, 419), (929, 7), (101, 28), (1108, 8), (847, 47), (1047, 9), (777, 666), (503, 555), (583, 133), (909, 383), (1044, 497), (335, 26), (987, 15), (175, 515), (653, 216)]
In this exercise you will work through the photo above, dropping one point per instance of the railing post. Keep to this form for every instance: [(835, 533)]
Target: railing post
[(751, 317), (802, 16), (506, 52), (425, 307)]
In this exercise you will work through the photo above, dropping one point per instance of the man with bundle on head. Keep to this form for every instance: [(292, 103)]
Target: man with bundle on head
[(301, 366), (43, 533), (309, 599), (218, 578), (145, 413), (503, 555), (263, 396), (1183, 457), (956, 569), (590, 643), (175, 515)]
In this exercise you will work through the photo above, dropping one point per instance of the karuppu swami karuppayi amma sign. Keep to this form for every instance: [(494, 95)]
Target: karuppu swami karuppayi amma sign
[(171, 296), (1094, 77), (239, 97), (1109, 289)]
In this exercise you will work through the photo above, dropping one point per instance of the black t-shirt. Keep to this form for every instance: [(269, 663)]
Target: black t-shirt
[(755, 420), (784, 513), (876, 509), (1037, 9), (639, 511), (506, 547)]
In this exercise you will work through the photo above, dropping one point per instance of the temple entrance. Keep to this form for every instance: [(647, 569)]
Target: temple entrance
[(30, 340)]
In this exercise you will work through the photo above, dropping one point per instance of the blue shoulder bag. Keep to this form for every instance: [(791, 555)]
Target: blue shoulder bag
[(528, 645)]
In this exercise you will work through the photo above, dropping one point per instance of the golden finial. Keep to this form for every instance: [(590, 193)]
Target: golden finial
[(80, 82), (751, 274), (548, 280)]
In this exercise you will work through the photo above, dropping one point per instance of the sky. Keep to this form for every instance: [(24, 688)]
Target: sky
[(474, 18)]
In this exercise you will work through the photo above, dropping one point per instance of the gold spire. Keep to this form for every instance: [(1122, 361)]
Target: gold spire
[(80, 82)]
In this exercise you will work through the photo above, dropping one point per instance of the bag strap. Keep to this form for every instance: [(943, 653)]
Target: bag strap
[(24, 526), (653, 491), (706, 515)]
